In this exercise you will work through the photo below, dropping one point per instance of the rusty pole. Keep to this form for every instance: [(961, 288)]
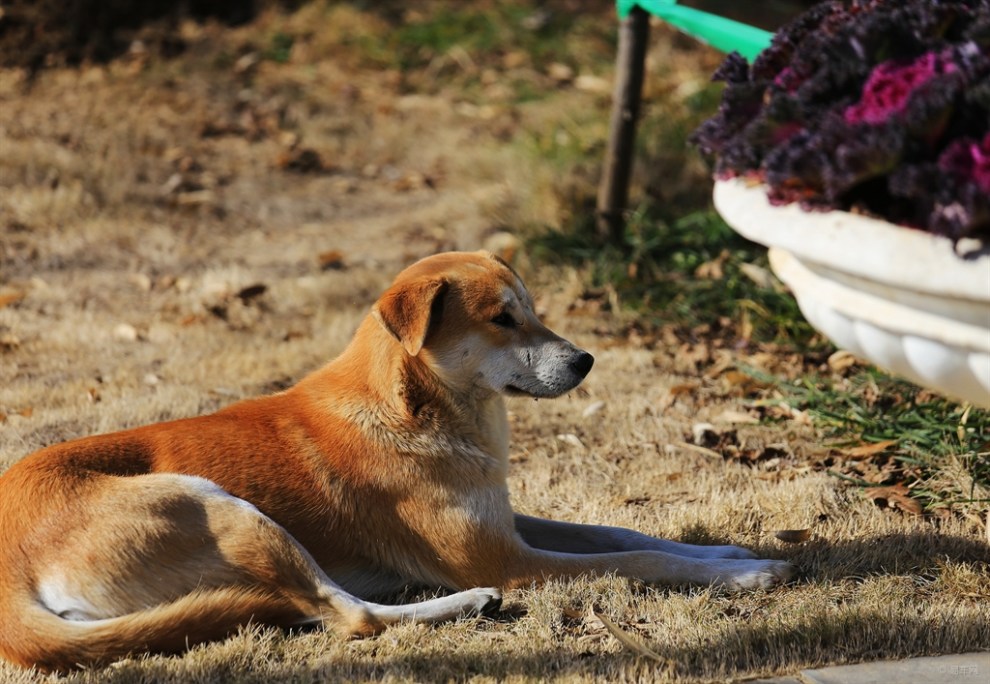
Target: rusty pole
[(630, 67)]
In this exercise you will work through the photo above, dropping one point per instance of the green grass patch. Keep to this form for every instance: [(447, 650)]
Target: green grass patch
[(938, 449), (469, 29), (688, 271), (437, 45), (280, 47), (486, 30), (464, 49)]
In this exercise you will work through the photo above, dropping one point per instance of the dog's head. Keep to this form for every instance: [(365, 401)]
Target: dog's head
[(468, 316)]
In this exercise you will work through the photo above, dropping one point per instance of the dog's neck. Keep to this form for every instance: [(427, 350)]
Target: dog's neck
[(405, 393)]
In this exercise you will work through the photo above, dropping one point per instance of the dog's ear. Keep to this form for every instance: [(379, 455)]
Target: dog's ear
[(410, 310)]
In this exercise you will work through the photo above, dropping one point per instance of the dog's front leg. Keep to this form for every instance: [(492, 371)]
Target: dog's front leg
[(529, 565), (481, 547), (552, 535)]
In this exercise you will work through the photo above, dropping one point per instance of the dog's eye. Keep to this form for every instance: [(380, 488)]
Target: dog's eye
[(504, 320)]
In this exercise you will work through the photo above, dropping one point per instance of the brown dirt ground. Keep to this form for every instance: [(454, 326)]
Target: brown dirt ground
[(168, 246)]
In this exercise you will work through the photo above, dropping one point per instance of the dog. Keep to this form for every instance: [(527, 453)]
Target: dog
[(385, 468)]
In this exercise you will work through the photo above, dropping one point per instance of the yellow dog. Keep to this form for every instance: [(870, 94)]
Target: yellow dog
[(385, 468)]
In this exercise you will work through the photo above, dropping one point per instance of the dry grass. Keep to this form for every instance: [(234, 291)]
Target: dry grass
[(132, 309)]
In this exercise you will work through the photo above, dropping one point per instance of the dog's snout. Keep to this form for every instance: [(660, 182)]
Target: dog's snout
[(582, 363)]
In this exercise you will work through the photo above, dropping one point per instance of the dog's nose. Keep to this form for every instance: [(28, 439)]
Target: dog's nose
[(582, 363)]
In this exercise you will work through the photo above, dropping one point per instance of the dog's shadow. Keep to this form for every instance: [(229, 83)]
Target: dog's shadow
[(760, 651), (820, 559), (922, 553)]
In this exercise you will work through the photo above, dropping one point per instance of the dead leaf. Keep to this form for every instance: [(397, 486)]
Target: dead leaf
[(907, 504), (735, 378), (140, 281), (961, 427), (736, 418), (10, 298), (247, 63), (740, 384), (842, 360), (414, 180), (793, 536), (592, 408), (630, 641), (684, 388), (573, 613), (301, 160), (331, 260), (697, 449), (745, 326), (125, 332), (713, 270), (689, 357), (869, 448), (26, 412), (592, 84), (9, 342), (250, 292), (196, 198), (895, 496), (767, 455), (761, 276), (515, 59), (562, 73), (721, 364), (571, 439), (504, 244), (704, 433)]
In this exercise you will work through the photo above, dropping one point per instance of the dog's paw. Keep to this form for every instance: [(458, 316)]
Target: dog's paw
[(482, 601), (755, 574)]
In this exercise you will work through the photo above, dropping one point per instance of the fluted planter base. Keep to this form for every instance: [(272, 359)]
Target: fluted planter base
[(903, 299)]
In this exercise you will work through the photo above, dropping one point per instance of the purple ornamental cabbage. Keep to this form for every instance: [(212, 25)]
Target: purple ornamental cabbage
[(968, 161), (890, 86), (875, 106)]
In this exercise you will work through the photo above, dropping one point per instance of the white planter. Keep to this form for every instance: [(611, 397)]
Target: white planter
[(903, 299)]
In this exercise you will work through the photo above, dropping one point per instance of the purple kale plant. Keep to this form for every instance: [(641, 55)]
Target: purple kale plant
[(875, 106)]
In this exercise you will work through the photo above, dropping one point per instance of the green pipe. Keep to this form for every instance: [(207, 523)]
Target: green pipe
[(721, 33)]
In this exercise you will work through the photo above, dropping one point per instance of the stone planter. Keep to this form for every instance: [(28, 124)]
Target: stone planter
[(903, 299)]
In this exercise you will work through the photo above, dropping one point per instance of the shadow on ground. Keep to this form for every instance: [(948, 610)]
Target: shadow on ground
[(769, 651), (766, 646)]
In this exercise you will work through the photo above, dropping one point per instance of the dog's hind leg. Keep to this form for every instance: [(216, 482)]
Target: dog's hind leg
[(157, 554), (272, 558)]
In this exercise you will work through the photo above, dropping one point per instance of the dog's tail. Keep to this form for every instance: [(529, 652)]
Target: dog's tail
[(31, 635)]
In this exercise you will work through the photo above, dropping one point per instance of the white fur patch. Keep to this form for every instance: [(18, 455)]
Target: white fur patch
[(55, 595), (211, 488)]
